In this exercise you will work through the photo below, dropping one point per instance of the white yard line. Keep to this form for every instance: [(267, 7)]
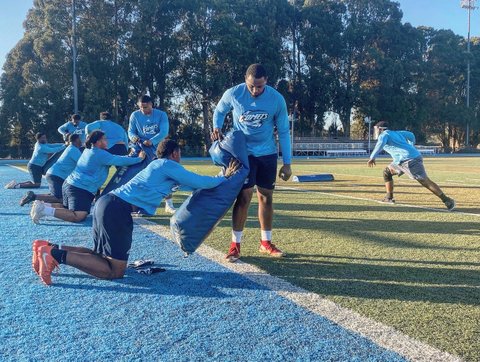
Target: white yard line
[(383, 335)]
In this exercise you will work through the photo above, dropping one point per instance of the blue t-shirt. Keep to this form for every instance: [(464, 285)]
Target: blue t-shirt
[(70, 128), (41, 152), (399, 144), (159, 179), (256, 117), (66, 163), (113, 131), (153, 127), (92, 168)]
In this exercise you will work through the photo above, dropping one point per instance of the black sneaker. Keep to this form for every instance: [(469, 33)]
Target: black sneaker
[(388, 200), (27, 198), (450, 204)]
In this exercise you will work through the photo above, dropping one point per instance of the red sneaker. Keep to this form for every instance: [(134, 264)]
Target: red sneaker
[(47, 264), (267, 247), (35, 246), (233, 253)]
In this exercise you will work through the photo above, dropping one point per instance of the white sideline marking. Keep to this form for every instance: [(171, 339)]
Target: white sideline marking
[(286, 188), (382, 335)]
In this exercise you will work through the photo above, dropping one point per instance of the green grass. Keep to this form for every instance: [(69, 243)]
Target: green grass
[(411, 268)]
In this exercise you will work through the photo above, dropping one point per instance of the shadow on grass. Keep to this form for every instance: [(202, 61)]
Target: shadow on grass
[(359, 280)]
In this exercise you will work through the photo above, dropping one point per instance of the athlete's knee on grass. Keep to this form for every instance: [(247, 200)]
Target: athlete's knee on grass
[(117, 269), (388, 174)]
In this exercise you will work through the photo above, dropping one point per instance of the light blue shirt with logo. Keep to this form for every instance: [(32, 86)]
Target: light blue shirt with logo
[(66, 163), (399, 144), (159, 179), (256, 117), (153, 127), (70, 128)]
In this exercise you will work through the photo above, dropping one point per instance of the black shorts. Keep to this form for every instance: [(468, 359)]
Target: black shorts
[(263, 172), (119, 149), (76, 199), (112, 227), (55, 185), (36, 172)]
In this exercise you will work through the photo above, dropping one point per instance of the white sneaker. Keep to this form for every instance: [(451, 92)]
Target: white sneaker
[(169, 209), (11, 184), (37, 211)]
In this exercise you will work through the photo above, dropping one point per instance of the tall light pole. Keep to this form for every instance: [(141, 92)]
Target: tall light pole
[(469, 5), (74, 57), (369, 121)]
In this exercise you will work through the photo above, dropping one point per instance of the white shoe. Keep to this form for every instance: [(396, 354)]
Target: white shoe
[(169, 209), (11, 184), (37, 211)]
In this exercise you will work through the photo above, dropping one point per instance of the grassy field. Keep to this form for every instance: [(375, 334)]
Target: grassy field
[(412, 265)]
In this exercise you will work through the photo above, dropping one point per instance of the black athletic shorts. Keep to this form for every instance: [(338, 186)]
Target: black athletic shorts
[(76, 199), (112, 227), (55, 185), (263, 172), (36, 172), (119, 149)]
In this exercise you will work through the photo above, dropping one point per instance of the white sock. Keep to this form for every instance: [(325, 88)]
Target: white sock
[(267, 235), (169, 202), (49, 211), (47, 204), (17, 186), (237, 236)]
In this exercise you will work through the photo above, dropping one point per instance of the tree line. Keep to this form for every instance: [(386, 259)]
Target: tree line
[(352, 57)]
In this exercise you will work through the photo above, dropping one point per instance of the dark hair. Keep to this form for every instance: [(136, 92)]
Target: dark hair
[(76, 117), (105, 115), (93, 138), (256, 71), (38, 135), (166, 148), (145, 99), (73, 137)]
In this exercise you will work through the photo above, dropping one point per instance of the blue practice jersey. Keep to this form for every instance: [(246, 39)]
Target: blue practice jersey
[(113, 132), (256, 117), (41, 152), (153, 127), (159, 179), (66, 163), (92, 168), (70, 128), (399, 144)]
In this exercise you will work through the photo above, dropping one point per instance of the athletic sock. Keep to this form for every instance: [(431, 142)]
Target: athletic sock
[(237, 236), (266, 234), (389, 195), (169, 202), (59, 255), (49, 211), (443, 197), (17, 186)]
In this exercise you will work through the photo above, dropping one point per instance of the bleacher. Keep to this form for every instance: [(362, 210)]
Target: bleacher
[(329, 149)]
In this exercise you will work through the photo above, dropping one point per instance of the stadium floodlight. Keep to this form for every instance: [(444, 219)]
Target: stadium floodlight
[(369, 121), (469, 5), (74, 57)]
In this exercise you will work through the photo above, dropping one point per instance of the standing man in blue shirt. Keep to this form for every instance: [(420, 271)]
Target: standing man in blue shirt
[(149, 126), (257, 109), (74, 126), (112, 217), (57, 174), (41, 153), (117, 138), (406, 160)]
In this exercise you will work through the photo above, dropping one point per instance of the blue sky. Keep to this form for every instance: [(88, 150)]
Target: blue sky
[(440, 14)]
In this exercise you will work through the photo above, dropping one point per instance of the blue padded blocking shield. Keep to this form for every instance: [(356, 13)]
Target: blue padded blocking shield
[(203, 210), (313, 178), (51, 160), (126, 173)]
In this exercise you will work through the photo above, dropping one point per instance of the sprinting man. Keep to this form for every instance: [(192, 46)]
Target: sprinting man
[(74, 126), (79, 188), (406, 160), (257, 110), (150, 126), (112, 220), (57, 174), (117, 138), (41, 153)]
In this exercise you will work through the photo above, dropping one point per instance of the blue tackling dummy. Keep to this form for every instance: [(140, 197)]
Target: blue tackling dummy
[(200, 213)]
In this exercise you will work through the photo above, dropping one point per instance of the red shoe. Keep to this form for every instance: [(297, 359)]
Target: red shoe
[(35, 246), (47, 264), (267, 247), (233, 253)]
